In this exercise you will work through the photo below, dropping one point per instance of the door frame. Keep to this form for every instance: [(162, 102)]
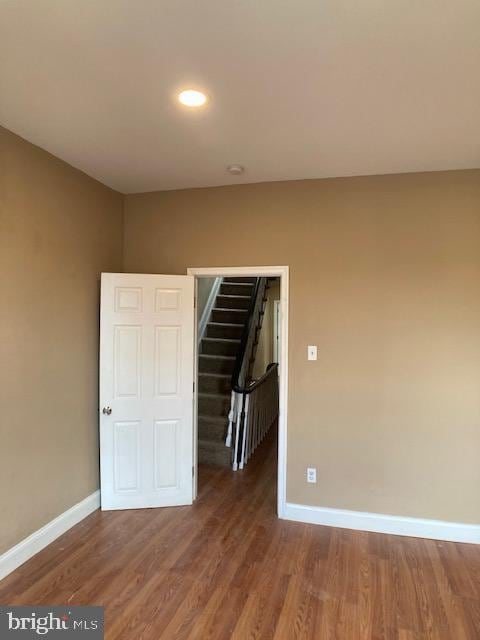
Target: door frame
[(277, 330), (281, 272)]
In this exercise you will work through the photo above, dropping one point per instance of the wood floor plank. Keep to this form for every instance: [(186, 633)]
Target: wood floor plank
[(226, 567)]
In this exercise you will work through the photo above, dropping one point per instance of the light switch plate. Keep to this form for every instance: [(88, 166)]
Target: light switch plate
[(312, 352)]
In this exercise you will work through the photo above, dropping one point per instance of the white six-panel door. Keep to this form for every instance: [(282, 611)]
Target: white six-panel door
[(146, 390)]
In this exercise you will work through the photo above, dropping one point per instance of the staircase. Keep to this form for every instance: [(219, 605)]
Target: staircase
[(217, 354)]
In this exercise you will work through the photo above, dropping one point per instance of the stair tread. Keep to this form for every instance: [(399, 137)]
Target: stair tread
[(230, 310), (216, 356), (227, 324), (221, 340), (214, 374), (231, 295), (239, 284)]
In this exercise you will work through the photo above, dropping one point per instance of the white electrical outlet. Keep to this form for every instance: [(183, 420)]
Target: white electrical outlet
[(312, 352), (311, 474)]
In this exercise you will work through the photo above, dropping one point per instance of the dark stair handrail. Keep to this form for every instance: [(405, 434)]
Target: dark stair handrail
[(237, 370)]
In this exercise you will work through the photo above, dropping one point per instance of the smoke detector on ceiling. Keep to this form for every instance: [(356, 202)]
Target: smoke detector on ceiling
[(235, 169)]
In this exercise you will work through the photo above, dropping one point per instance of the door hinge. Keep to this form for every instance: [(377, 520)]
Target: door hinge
[(194, 387), (193, 472)]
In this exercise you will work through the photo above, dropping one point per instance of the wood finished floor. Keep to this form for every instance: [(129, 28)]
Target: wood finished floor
[(227, 568)]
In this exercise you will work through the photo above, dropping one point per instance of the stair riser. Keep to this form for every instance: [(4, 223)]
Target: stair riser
[(246, 280), (212, 430), (232, 289), (215, 365), (224, 331), (227, 302), (210, 384), (220, 348), (216, 456), (227, 315), (214, 406)]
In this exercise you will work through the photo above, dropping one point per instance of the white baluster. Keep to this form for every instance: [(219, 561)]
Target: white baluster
[(245, 430), (238, 418), (231, 419), (254, 424), (253, 418)]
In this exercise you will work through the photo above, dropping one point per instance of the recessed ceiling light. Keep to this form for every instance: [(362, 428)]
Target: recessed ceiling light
[(192, 98), (235, 169)]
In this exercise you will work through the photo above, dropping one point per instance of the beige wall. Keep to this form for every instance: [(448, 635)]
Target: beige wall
[(385, 275), (385, 279), (58, 230)]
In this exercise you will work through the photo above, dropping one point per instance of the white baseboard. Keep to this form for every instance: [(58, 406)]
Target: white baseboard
[(39, 539), (380, 523)]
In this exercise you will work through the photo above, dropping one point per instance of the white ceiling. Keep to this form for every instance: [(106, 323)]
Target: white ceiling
[(298, 88)]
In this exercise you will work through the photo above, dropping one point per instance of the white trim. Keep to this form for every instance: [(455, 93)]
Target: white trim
[(38, 540), (381, 523), (227, 272), (281, 272), (276, 329), (196, 349), (202, 324)]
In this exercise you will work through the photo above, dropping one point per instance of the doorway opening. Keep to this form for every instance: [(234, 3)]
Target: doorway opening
[(240, 371)]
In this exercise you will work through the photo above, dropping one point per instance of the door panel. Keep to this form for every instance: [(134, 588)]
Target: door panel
[(127, 361), (146, 379), (167, 360), (126, 451), (166, 452)]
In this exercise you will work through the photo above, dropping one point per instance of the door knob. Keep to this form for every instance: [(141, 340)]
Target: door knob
[(107, 411)]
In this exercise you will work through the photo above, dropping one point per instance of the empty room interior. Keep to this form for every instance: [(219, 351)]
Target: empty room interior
[(240, 320)]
